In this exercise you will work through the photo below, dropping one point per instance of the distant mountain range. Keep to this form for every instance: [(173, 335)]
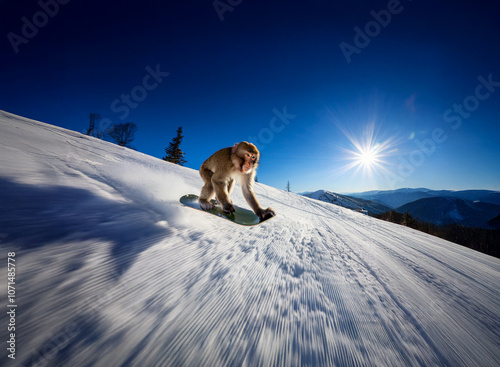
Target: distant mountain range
[(397, 198), (472, 208), (448, 210), (358, 204)]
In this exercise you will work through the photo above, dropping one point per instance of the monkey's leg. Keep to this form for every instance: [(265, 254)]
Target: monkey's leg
[(222, 194), (207, 191)]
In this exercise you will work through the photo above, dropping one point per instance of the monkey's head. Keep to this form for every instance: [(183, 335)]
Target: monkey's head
[(245, 157)]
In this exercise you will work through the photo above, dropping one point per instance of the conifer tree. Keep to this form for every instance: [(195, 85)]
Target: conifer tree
[(173, 152)]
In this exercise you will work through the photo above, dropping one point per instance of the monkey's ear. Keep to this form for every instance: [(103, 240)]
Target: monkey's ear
[(235, 146)]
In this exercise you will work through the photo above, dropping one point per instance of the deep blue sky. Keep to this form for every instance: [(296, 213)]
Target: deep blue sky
[(232, 75)]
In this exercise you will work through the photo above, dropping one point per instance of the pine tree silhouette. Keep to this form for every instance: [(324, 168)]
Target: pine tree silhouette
[(174, 152)]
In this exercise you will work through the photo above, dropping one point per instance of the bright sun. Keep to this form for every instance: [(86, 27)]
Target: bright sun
[(368, 156), (368, 153)]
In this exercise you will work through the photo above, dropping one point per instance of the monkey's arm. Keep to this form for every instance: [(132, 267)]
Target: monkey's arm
[(247, 188)]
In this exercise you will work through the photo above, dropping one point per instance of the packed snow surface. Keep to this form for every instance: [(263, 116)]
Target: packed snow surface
[(112, 271)]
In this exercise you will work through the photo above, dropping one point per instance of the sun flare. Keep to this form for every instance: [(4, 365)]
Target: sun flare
[(367, 152), (368, 156)]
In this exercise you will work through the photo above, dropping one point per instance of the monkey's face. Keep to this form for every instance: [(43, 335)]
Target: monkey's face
[(246, 157), (248, 162)]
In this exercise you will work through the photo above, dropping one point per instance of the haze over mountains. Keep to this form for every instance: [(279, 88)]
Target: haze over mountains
[(471, 208), (399, 197)]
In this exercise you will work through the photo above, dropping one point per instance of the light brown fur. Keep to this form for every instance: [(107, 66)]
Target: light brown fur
[(220, 171)]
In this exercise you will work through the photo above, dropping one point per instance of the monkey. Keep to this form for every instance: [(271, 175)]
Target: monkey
[(220, 171)]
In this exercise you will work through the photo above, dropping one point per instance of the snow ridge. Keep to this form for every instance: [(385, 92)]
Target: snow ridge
[(113, 271)]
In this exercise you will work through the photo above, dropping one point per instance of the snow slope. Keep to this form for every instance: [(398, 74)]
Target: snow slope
[(112, 271)]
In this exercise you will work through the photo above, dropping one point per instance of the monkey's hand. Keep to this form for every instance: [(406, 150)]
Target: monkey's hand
[(264, 214), (228, 208)]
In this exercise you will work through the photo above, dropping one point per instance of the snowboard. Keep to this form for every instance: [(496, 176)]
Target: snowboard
[(241, 216)]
